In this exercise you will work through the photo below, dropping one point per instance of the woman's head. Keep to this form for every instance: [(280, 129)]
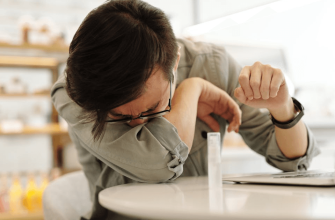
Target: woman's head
[(113, 54)]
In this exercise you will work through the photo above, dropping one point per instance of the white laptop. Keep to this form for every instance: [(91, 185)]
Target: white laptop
[(308, 178)]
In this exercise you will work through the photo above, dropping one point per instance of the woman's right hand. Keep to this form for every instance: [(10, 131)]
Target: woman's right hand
[(215, 100)]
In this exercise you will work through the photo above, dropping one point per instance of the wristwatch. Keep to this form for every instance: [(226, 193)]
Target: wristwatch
[(299, 108)]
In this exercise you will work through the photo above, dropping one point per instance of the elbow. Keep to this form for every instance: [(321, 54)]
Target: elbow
[(158, 176), (168, 171)]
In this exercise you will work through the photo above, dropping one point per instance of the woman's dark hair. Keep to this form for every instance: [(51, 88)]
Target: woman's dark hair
[(112, 55)]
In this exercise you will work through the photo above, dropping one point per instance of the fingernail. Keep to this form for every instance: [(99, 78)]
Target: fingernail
[(250, 98)]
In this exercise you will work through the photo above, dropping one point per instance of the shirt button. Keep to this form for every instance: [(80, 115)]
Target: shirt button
[(204, 134)]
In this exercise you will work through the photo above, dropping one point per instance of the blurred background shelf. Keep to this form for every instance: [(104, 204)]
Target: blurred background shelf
[(58, 52), (58, 135), (48, 48), (32, 62), (23, 216), (52, 129), (23, 95)]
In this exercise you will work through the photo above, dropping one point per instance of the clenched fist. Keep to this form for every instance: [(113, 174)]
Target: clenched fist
[(262, 86)]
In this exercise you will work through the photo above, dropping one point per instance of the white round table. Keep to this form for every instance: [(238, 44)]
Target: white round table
[(190, 198)]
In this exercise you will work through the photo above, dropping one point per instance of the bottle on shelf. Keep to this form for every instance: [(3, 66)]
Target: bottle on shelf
[(30, 199), (15, 86), (16, 195)]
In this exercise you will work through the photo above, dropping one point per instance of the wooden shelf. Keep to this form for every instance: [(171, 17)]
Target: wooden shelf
[(23, 216), (52, 129), (59, 136), (49, 48), (32, 62), (24, 95), (28, 62)]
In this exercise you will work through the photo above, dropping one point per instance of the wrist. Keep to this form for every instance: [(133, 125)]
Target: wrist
[(299, 112), (285, 112)]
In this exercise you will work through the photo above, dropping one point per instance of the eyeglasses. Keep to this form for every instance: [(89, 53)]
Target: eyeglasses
[(143, 116)]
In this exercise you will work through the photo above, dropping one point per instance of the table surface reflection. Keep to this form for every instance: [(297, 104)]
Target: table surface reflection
[(190, 198)]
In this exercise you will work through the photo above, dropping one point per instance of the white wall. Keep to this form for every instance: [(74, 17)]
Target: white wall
[(180, 12), (211, 9), (304, 31)]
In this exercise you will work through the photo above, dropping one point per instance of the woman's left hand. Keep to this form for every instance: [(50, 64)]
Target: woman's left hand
[(262, 86)]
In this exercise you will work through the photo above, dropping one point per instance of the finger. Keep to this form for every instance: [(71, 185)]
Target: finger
[(211, 122), (240, 95), (255, 79), (244, 80), (266, 81), (234, 126), (236, 117), (277, 80), (232, 112), (230, 117)]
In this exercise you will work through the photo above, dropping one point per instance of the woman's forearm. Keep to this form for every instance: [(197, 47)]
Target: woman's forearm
[(184, 109), (293, 141)]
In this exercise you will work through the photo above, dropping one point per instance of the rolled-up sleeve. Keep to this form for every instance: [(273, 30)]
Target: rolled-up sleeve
[(277, 159), (151, 152), (258, 133)]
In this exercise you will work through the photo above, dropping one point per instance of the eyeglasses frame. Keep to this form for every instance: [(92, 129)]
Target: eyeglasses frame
[(127, 120)]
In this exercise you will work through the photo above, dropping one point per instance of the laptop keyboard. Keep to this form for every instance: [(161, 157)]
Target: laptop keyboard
[(305, 175)]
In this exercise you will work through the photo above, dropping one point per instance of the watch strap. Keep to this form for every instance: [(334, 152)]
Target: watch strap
[(289, 124)]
